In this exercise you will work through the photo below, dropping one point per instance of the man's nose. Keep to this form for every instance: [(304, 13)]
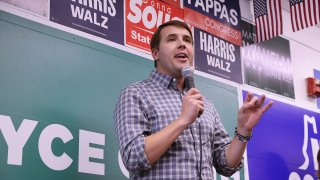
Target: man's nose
[(182, 44)]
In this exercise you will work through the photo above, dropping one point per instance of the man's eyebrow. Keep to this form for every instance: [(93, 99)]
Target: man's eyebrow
[(171, 35), (184, 36), (188, 37)]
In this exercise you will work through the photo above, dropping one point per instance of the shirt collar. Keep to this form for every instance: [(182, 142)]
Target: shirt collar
[(163, 79)]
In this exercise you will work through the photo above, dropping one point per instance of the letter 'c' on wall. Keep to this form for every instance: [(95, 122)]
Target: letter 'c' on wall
[(45, 140)]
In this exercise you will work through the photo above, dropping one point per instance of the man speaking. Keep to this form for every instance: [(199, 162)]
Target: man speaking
[(167, 129)]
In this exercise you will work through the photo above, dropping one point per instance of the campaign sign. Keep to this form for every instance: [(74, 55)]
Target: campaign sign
[(285, 143), (99, 18), (176, 3), (220, 18), (216, 56), (143, 17), (267, 65), (248, 33)]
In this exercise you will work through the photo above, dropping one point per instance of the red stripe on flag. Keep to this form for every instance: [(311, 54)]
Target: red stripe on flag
[(301, 19), (315, 9), (271, 15), (276, 16), (280, 14), (305, 14), (310, 16), (319, 7), (265, 29)]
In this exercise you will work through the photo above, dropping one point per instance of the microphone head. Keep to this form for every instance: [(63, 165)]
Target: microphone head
[(187, 71)]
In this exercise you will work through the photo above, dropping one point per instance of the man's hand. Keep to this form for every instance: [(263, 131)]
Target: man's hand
[(251, 112), (192, 104), (158, 143)]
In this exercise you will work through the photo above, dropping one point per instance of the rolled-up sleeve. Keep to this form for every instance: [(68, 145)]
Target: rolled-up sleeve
[(131, 127), (221, 142)]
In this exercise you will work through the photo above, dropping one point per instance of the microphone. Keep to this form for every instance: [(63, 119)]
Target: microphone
[(187, 73)]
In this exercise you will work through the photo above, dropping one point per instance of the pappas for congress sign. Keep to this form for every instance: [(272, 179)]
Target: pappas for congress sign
[(218, 17)]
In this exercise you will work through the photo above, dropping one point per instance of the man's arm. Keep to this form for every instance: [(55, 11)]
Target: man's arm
[(248, 117), (157, 144), (138, 147)]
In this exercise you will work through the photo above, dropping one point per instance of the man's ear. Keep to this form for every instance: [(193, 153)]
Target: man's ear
[(154, 53)]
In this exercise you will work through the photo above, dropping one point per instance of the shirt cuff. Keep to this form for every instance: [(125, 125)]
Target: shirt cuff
[(143, 161), (228, 171)]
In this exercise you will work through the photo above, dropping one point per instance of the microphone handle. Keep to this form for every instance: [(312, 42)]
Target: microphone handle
[(189, 83)]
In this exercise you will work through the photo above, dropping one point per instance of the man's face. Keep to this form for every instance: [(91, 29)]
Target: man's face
[(175, 51)]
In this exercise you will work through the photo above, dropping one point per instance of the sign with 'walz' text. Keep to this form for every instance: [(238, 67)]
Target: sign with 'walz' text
[(99, 18), (142, 19), (216, 56), (218, 17)]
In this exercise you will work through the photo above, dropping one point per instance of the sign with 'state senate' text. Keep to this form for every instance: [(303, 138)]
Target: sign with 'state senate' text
[(142, 17)]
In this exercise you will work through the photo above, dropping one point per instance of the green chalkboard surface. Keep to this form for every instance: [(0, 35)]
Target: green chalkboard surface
[(61, 88)]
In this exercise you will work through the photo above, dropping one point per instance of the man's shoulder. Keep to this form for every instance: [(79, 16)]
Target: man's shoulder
[(139, 84), (138, 87)]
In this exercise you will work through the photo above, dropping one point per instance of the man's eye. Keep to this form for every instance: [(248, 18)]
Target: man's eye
[(188, 40)]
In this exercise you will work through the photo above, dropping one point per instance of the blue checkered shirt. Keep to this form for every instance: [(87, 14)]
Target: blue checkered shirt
[(148, 106)]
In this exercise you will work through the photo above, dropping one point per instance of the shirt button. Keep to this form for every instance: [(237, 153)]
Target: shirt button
[(198, 151)]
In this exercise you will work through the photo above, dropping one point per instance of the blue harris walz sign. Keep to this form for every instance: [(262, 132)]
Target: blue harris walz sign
[(100, 18), (217, 56)]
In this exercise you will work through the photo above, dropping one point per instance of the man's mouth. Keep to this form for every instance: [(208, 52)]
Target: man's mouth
[(181, 56)]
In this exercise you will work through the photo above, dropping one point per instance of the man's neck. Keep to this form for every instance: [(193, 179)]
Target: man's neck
[(180, 84), (179, 79)]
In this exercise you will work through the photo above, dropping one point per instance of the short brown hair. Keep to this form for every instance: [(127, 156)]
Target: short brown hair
[(155, 40)]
